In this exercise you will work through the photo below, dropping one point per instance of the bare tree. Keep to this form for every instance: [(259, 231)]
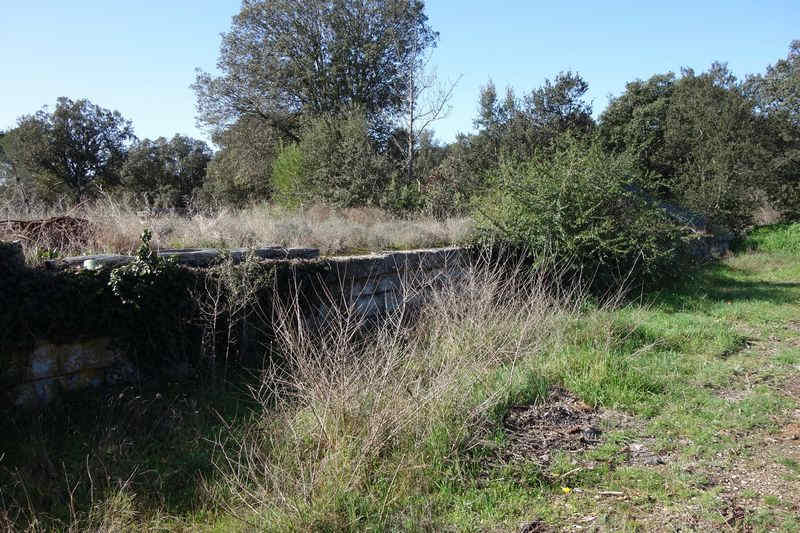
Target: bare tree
[(426, 101)]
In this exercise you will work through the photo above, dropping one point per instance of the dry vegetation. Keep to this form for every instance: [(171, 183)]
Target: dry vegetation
[(348, 417), (114, 227)]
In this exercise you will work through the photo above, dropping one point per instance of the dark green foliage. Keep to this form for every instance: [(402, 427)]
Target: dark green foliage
[(78, 145), (577, 206), (239, 173), (777, 97), (287, 59), (340, 165), (155, 297), (136, 282), (517, 127), (778, 89), (510, 130), (164, 172), (697, 140), (287, 176)]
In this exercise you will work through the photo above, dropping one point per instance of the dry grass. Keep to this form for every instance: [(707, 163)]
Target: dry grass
[(353, 417), (116, 226)]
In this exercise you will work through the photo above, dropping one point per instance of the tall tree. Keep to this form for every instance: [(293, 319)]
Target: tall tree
[(286, 58), (778, 90), (426, 101), (516, 127), (79, 144)]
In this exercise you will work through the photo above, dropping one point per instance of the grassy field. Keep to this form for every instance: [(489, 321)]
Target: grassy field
[(506, 406)]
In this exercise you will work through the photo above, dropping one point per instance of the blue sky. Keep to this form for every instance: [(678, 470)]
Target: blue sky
[(140, 57)]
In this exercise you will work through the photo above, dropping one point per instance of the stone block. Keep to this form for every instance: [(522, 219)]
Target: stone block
[(92, 353)]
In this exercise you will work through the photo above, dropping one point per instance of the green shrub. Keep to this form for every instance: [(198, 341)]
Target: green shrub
[(579, 205), (287, 176)]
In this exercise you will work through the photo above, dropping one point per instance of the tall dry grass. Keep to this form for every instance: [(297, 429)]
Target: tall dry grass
[(351, 421), (115, 226)]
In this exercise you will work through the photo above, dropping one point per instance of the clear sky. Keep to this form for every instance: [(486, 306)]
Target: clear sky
[(140, 57)]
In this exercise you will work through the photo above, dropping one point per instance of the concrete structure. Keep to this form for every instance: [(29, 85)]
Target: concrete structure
[(371, 284)]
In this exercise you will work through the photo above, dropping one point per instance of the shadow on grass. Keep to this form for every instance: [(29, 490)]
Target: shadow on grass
[(79, 451), (718, 285)]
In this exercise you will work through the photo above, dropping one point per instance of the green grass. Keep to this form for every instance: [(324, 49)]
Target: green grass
[(696, 370), (778, 238)]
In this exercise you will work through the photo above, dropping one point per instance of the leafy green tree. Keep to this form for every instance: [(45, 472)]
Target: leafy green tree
[(778, 90), (695, 140), (635, 123), (239, 172), (285, 59), (714, 138), (79, 145), (777, 97), (287, 176), (340, 165), (166, 172), (516, 127)]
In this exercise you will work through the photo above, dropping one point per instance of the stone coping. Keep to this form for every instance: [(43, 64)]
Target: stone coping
[(194, 257)]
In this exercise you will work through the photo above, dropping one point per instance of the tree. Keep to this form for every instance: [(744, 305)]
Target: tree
[(79, 144), (777, 98), (778, 90), (574, 203), (515, 127), (696, 140), (635, 121), (284, 59), (339, 163), (426, 101), (166, 173), (239, 172)]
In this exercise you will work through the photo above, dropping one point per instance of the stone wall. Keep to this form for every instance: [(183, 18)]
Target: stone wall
[(372, 284)]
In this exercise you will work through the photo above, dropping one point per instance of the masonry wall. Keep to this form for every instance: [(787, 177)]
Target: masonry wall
[(38, 370)]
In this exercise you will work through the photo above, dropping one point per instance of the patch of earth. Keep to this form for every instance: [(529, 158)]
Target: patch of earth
[(791, 387), (561, 422), (734, 395), (535, 526), (771, 472)]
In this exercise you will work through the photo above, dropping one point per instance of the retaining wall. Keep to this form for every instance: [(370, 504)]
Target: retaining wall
[(46, 365)]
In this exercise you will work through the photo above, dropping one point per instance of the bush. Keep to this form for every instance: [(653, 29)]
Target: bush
[(578, 203), (287, 176)]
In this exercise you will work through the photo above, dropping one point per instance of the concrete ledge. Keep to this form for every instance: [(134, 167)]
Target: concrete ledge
[(195, 257)]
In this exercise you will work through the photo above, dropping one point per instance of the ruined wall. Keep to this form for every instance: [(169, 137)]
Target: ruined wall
[(54, 360)]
